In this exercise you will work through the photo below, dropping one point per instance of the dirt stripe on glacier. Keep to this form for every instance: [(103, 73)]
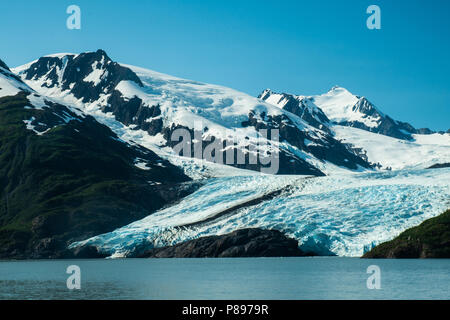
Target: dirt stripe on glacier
[(252, 202)]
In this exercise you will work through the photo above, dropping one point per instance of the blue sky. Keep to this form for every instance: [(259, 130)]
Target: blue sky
[(301, 47)]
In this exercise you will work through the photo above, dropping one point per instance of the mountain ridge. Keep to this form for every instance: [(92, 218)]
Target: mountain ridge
[(341, 107), (160, 104)]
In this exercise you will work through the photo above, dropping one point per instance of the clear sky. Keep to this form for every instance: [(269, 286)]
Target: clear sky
[(300, 47)]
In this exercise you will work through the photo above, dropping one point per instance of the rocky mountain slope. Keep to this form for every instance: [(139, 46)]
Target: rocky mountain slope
[(240, 243), (430, 239)]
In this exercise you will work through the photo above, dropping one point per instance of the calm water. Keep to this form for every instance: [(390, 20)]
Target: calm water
[(256, 278)]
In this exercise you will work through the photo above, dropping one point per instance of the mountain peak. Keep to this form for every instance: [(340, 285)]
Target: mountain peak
[(301, 106), (266, 93), (339, 89), (87, 75), (99, 55), (101, 52), (10, 84), (3, 65)]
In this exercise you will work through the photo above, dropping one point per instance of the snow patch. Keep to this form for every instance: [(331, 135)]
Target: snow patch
[(422, 152)]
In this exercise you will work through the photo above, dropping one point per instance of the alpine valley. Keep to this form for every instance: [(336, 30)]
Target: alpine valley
[(89, 167)]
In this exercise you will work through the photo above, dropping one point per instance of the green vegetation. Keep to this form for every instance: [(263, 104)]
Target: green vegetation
[(75, 181), (431, 239)]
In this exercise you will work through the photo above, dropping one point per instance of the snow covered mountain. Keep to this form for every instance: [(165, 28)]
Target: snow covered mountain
[(344, 108), (150, 106), (355, 120)]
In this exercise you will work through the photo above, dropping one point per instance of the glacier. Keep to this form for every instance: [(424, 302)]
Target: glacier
[(343, 214)]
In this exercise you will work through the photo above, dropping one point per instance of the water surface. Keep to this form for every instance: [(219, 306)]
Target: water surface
[(235, 278)]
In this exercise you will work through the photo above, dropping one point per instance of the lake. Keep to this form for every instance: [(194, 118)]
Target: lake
[(232, 278)]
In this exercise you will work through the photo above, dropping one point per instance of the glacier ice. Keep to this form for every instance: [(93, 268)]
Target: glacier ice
[(341, 214)]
